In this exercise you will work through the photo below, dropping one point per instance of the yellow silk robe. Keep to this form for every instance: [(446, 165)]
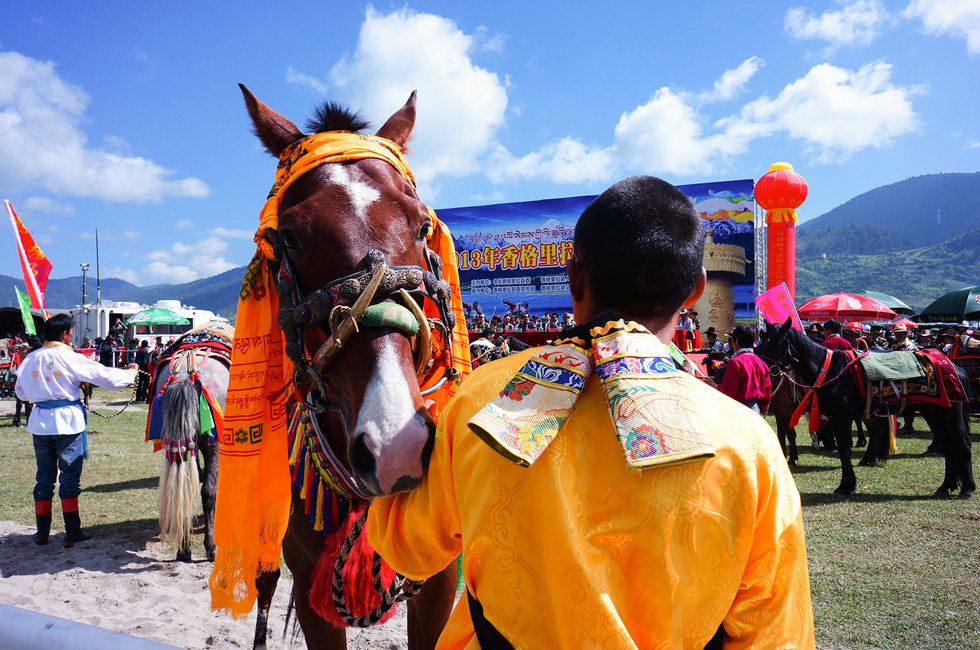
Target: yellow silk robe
[(578, 551)]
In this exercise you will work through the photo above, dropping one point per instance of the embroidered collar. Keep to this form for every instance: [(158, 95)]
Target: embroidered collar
[(56, 344), (744, 351), (655, 420)]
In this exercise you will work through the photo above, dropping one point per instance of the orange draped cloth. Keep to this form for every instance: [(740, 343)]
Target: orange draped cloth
[(253, 486)]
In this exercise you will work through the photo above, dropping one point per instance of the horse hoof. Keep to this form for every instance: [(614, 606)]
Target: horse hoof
[(966, 495), (183, 557), (861, 443), (941, 493)]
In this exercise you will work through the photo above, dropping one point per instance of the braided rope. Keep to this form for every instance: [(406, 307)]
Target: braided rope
[(401, 587), (132, 398)]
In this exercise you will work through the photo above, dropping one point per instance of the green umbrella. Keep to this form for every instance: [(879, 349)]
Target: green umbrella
[(157, 316), (962, 304), (891, 302)]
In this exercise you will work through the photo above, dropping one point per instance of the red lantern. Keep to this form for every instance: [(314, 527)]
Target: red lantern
[(779, 192)]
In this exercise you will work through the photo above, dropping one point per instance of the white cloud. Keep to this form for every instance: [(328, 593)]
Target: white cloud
[(733, 81), (48, 206), (855, 23), (564, 161), (973, 144), (667, 134), (957, 17), (293, 76), (232, 233), (42, 145), (461, 106), (186, 262), (184, 224), (835, 111)]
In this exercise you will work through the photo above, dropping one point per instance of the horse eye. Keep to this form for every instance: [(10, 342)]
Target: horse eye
[(426, 231), (289, 241)]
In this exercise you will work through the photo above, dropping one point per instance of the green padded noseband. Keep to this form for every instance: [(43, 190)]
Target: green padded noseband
[(390, 314)]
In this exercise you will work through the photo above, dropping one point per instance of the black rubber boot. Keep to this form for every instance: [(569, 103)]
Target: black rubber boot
[(73, 529), (43, 529)]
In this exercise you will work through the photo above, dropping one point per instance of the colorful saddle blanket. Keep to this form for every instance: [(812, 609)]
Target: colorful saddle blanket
[(939, 383)]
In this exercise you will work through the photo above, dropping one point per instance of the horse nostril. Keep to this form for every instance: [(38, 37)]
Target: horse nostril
[(430, 442), (361, 459)]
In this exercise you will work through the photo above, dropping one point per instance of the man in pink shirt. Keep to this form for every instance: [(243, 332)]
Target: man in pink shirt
[(746, 377), (832, 340)]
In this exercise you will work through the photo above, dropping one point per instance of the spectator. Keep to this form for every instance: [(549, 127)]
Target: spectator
[(746, 377), (832, 340)]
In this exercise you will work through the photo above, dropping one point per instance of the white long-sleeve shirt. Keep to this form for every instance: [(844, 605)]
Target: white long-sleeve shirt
[(55, 372)]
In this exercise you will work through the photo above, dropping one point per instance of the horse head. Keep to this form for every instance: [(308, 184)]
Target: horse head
[(351, 235), (777, 346)]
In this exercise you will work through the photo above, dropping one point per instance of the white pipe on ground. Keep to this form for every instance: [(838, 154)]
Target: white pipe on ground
[(23, 629)]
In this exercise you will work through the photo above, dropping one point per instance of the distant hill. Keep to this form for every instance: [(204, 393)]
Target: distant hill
[(925, 209), (860, 257), (218, 293)]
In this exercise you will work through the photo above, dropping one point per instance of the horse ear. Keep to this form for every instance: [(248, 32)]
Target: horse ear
[(274, 130), (786, 326), (399, 126)]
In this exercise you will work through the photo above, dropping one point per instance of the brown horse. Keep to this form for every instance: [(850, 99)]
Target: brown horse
[(348, 221)]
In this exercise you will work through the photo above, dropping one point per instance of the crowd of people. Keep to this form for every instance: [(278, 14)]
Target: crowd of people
[(516, 318)]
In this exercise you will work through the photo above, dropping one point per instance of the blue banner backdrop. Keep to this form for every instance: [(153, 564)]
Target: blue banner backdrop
[(515, 253)]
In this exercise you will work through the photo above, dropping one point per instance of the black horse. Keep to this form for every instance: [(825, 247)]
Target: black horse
[(840, 399)]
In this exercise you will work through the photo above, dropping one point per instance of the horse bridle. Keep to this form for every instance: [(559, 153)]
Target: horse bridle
[(362, 299)]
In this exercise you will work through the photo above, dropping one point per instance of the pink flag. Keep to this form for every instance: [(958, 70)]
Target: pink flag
[(776, 305)]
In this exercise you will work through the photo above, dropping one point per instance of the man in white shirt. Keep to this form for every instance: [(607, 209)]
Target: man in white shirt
[(50, 377)]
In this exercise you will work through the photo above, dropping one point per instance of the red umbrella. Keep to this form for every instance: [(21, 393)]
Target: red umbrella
[(845, 306), (903, 321)]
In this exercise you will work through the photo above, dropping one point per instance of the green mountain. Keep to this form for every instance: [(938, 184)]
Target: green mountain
[(925, 209), (218, 293), (859, 257), (915, 239)]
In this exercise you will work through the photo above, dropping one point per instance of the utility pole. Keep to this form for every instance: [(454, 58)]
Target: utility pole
[(84, 284)]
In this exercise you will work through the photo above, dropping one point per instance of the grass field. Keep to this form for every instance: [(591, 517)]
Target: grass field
[(889, 568)]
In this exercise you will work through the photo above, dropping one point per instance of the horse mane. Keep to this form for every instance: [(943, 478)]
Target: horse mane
[(331, 116)]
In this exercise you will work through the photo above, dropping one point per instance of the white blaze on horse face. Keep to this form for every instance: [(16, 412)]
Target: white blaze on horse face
[(361, 194), (393, 431)]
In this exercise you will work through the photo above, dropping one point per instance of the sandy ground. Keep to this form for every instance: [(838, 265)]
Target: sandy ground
[(130, 583)]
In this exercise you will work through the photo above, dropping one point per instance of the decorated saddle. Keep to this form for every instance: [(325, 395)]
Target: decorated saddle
[(190, 352), (893, 379), (655, 421)]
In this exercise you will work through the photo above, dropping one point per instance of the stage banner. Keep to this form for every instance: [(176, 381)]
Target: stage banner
[(512, 255)]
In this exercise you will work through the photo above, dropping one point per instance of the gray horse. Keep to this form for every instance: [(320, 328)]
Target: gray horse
[(181, 377)]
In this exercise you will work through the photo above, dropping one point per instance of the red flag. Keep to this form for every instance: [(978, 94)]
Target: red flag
[(33, 263)]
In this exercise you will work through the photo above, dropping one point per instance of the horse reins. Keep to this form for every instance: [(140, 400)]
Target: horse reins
[(381, 296)]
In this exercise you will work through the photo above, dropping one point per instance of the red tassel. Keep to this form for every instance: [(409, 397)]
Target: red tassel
[(359, 593)]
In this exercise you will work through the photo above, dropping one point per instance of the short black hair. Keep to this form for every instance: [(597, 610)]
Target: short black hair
[(55, 326), (641, 245), (745, 335), (833, 326)]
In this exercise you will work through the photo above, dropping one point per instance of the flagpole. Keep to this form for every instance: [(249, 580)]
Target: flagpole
[(98, 273)]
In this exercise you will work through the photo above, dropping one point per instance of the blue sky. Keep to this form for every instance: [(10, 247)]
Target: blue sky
[(126, 117)]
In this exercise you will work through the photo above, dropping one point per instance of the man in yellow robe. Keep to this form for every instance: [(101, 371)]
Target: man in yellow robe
[(656, 512)]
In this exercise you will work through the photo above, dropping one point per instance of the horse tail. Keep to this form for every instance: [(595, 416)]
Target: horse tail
[(180, 482)]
